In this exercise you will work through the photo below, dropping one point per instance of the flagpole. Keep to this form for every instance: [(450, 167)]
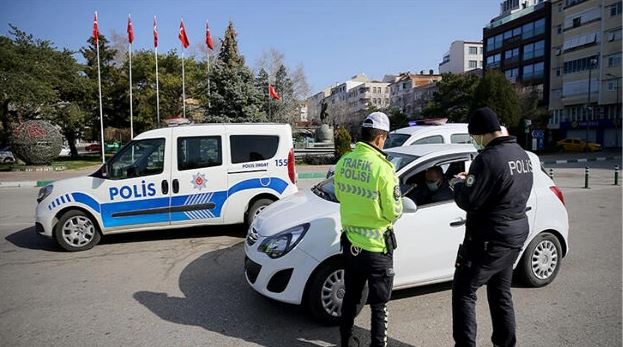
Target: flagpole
[(183, 86), (269, 111), (99, 84), (131, 112), (208, 49), (157, 91)]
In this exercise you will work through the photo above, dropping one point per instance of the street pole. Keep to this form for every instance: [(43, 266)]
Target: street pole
[(592, 62), (616, 111)]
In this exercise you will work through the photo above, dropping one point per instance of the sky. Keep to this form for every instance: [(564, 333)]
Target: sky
[(333, 40)]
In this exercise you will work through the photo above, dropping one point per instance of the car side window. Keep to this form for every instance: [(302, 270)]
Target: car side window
[(137, 159), (429, 140), (248, 148), (414, 182), (460, 138), (199, 152)]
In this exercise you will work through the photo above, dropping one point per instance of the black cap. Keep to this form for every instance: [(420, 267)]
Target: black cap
[(483, 121)]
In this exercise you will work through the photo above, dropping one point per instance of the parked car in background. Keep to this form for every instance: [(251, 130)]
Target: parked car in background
[(293, 247), (6, 156), (577, 145), (65, 152), (94, 147), (428, 134)]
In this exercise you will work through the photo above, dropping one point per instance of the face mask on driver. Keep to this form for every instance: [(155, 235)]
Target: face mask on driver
[(432, 186)]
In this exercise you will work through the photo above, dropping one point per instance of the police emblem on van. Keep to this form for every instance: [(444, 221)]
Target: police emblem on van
[(199, 181)]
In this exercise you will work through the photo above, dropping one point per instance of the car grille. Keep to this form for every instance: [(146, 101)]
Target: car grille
[(252, 237), (252, 269)]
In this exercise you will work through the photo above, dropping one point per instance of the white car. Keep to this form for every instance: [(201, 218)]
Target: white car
[(293, 251), (429, 134), (6, 156)]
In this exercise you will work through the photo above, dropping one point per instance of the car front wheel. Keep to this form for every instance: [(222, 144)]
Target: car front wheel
[(541, 260), (255, 209), (326, 292), (76, 231)]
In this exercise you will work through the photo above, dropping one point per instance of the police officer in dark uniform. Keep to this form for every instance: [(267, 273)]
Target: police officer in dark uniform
[(494, 194)]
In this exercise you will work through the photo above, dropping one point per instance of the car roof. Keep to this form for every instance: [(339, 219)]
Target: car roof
[(441, 149), (422, 128), (165, 131)]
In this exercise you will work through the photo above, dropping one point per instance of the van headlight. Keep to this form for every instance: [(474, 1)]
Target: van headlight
[(45, 192), (280, 244)]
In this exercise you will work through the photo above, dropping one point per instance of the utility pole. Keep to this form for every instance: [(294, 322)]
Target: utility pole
[(592, 64)]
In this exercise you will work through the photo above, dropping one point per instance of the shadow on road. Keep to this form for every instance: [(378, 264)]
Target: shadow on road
[(217, 298), (29, 239)]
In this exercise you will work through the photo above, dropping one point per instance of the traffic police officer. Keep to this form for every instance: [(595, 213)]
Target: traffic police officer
[(370, 201), (494, 193)]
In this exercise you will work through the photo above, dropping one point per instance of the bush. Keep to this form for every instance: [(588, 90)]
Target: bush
[(311, 159), (342, 143)]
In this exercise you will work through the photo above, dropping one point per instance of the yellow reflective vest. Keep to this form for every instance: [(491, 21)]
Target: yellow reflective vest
[(367, 188)]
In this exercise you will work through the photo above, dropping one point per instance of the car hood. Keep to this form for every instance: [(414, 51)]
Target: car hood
[(301, 207)]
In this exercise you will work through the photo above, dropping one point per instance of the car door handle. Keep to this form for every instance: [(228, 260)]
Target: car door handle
[(458, 223), (164, 185), (529, 208), (176, 186)]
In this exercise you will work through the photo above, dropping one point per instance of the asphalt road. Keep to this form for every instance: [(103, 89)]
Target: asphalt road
[(186, 287)]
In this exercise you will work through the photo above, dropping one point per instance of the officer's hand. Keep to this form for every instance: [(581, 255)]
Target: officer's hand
[(458, 178)]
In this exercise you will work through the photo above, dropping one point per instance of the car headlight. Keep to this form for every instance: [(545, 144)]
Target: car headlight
[(279, 245), (45, 192)]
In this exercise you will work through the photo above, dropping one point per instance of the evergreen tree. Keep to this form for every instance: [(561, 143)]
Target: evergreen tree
[(287, 106), (497, 93), (453, 97), (233, 94)]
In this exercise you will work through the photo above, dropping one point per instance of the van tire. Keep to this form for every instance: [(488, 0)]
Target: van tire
[(255, 209), (76, 231)]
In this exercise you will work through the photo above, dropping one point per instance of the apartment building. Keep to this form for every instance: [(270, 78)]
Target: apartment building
[(517, 44), (402, 96), (585, 98), (462, 56)]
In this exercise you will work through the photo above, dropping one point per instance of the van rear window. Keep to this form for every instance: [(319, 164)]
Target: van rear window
[(248, 148)]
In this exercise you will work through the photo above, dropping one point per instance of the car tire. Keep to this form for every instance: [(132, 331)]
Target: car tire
[(326, 291), (77, 231), (255, 209), (541, 260)]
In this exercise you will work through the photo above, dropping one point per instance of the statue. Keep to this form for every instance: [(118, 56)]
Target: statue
[(324, 134), (36, 142)]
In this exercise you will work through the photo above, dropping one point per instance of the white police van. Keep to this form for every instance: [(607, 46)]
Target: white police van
[(173, 177)]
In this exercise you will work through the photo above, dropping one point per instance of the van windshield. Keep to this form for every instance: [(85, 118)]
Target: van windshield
[(395, 140)]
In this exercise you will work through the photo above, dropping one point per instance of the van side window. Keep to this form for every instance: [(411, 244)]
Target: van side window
[(198, 152), (429, 140), (137, 159), (247, 148), (460, 138)]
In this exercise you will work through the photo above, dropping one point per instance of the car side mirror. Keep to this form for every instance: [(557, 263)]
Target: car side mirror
[(408, 206)]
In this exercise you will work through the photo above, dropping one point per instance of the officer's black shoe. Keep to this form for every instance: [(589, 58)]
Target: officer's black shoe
[(353, 341)]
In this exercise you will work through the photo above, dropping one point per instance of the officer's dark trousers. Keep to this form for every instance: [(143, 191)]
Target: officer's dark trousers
[(377, 269), (493, 267)]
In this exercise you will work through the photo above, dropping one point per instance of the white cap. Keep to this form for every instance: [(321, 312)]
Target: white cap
[(376, 120)]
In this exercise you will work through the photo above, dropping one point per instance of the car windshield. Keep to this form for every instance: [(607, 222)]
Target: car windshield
[(395, 140), (326, 190)]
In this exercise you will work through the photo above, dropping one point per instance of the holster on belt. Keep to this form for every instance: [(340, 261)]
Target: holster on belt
[(390, 240)]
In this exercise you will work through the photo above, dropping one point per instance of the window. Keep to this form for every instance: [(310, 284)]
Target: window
[(413, 183), (577, 21), (614, 60), (615, 9), (539, 26), (473, 64), (527, 30), (493, 60), (614, 35), (511, 53), (460, 138), (429, 140), (198, 152), (247, 148), (534, 50), (473, 50), (511, 74), (612, 86), (580, 64), (490, 44), (533, 71), (137, 159), (517, 31)]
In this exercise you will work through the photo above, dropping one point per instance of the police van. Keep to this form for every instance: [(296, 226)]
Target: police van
[(173, 177)]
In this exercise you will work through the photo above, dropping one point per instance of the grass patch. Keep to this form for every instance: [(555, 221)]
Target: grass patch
[(68, 163)]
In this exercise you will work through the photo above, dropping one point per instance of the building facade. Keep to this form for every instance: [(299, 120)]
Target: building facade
[(461, 57), (517, 45), (314, 104), (585, 98), (402, 95)]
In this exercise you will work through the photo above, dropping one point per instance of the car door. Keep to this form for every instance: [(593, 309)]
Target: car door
[(198, 176), (134, 192)]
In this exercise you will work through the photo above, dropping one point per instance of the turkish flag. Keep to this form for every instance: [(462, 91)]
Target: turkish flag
[(182, 36), (209, 37), (155, 33), (96, 35), (272, 92), (130, 30)]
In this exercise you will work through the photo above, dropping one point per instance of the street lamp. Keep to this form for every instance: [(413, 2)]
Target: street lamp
[(591, 65), (616, 114)]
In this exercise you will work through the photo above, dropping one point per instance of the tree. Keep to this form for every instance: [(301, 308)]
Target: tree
[(453, 97), (287, 106), (233, 93), (398, 119), (497, 93)]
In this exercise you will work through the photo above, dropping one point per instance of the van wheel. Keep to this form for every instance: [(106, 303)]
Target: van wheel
[(76, 231), (541, 260), (255, 209), (326, 292)]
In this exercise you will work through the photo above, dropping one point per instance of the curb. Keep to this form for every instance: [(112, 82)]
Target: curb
[(311, 175), (583, 160)]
